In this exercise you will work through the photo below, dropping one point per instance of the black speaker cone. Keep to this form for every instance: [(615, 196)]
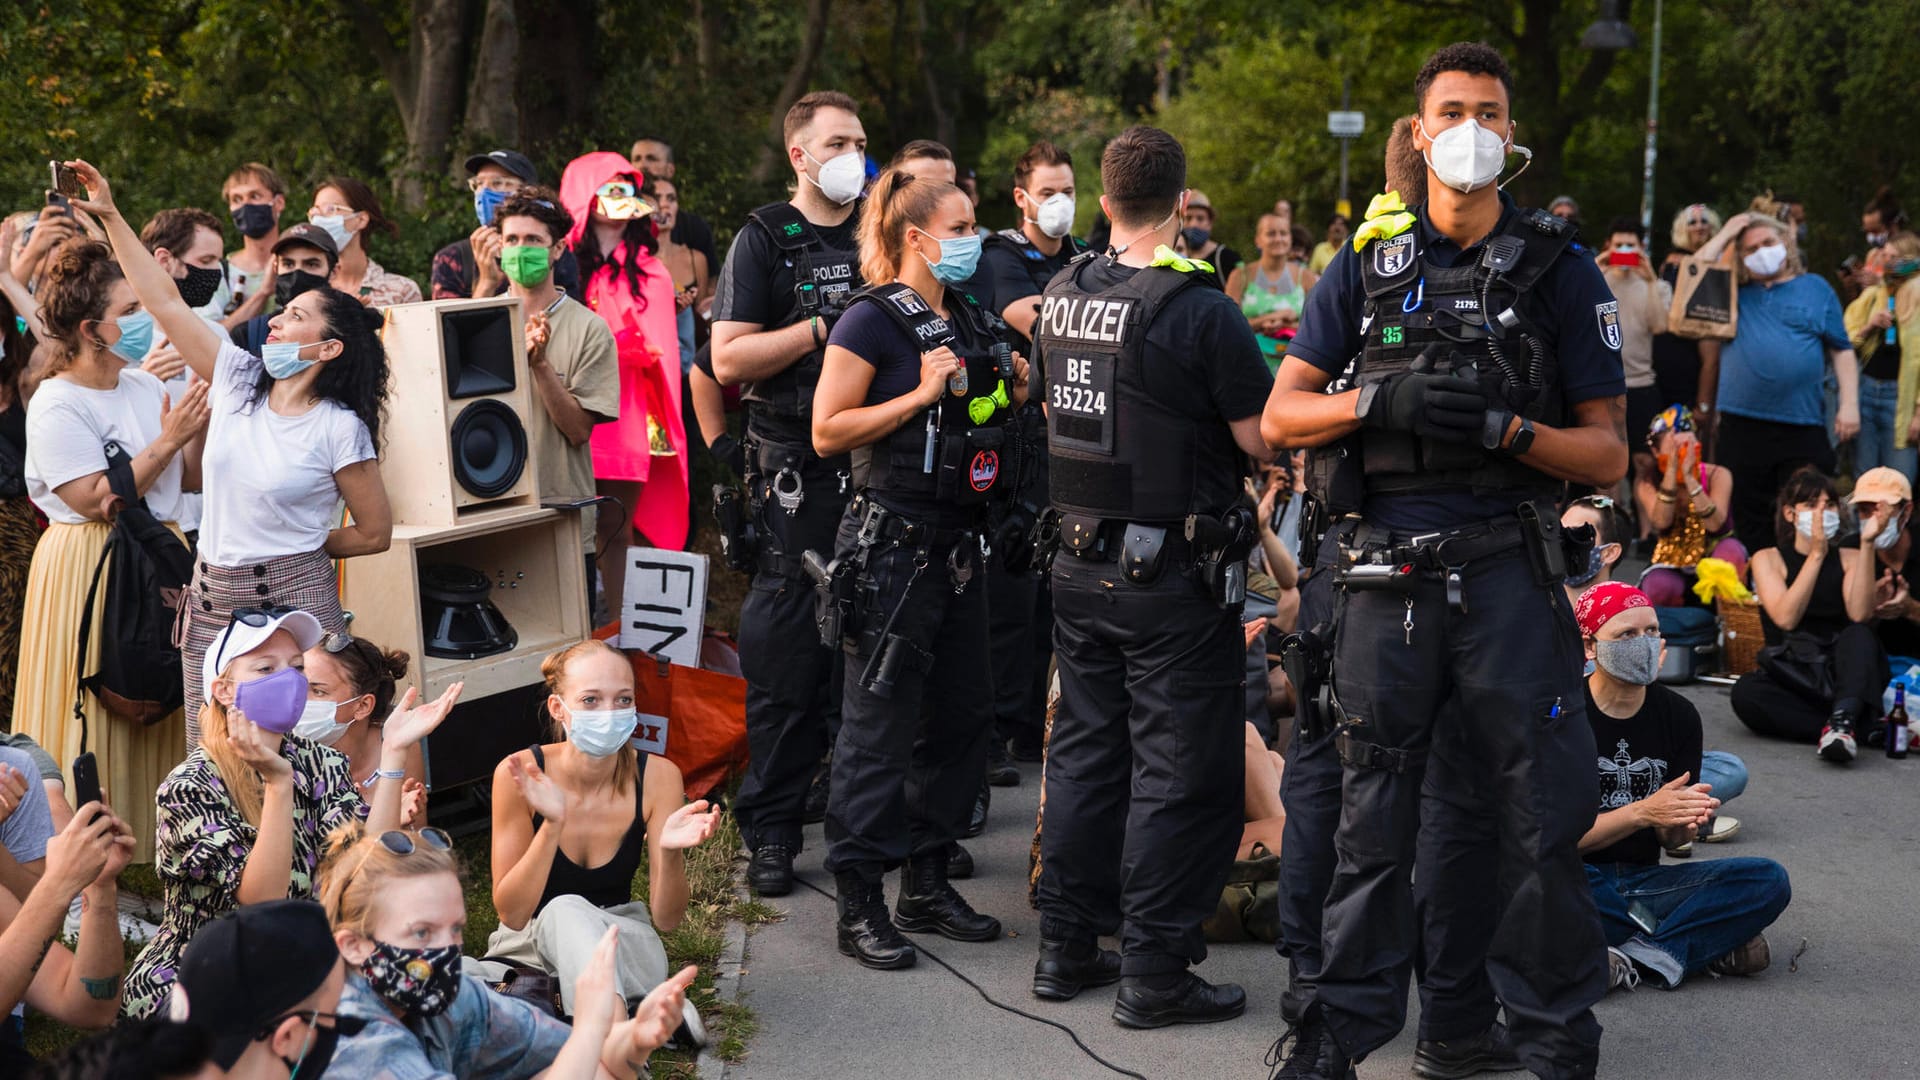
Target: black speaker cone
[(489, 448), (457, 612)]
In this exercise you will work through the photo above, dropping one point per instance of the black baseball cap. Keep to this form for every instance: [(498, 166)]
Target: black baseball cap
[(311, 236), (513, 161), (249, 968)]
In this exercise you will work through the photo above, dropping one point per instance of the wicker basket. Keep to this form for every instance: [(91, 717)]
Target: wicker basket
[(1741, 635)]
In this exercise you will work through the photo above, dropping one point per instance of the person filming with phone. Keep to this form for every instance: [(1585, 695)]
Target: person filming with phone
[(1643, 298)]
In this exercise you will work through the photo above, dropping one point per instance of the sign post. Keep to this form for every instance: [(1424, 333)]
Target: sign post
[(1345, 126)]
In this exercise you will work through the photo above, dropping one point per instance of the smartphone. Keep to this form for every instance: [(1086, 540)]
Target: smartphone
[(1623, 258), (86, 780), (66, 181), (60, 202)]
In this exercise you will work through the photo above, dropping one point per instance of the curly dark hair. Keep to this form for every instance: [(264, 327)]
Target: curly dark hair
[(1804, 486), (541, 204), (357, 378), (1471, 57), (80, 276), (371, 670)]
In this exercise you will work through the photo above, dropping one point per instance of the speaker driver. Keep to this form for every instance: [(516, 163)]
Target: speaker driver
[(458, 615), (489, 448)]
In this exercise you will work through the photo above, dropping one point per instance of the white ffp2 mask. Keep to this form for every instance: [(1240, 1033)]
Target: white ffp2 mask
[(841, 176), (1055, 215), (1466, 157)]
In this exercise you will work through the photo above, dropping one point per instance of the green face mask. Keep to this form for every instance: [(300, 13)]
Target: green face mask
[(526, 265)]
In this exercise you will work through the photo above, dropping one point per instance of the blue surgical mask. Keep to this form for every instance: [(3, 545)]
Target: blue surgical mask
[(600, 732), (282, 358), (485, 202), (959, 258), (1829, 523), (136, 336)]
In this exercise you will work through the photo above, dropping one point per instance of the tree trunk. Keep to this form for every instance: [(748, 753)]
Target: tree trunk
[(493, 112), (709, 16), (438, 59), (792, 87), (943, 126), (559, 76)]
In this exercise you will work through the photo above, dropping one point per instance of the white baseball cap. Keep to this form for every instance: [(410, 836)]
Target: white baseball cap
[(248, 630)]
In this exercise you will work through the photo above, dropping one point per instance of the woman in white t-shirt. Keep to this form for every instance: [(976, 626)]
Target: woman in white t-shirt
[(94, 400), (291, 437)]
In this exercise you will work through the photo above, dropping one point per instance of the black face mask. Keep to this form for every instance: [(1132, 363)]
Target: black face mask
[(254, 220), (201, 282), (318, 1056), (288, 286)]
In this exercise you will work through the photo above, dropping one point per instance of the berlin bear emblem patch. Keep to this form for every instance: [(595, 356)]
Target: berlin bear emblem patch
[(1390, 256), (1609, 316), (983, 470)]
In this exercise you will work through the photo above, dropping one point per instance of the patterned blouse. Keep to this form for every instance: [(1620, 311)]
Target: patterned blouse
[(382, 289), (201, 847)]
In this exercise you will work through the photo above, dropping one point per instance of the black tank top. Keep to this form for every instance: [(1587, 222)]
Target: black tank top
[(1826, 613), (611, 883)]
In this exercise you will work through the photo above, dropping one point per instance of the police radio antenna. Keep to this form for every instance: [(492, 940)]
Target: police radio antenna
[(1523, 152)]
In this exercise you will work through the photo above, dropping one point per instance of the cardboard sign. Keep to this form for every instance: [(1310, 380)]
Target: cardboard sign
[(665, 608), (650, 734)]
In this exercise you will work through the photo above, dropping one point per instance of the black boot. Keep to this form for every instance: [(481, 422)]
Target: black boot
[(1067, 967), (1154, 1001), (977, 824), (813, 811), (770, 871), (1489, 1051), (1000, 771), (929, 904), (866, 934), (1313, 1056), (959, 862)]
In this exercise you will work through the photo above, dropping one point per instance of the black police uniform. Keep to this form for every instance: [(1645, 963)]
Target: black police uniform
[(1019, 610), (783, 269), (1481, 621), (1145, 371), (906, 600)]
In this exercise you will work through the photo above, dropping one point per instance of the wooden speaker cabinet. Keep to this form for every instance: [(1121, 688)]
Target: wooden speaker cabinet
[(536, 565), (460, 401)]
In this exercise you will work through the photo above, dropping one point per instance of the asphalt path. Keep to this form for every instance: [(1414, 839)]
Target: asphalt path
[(1843, 1009)]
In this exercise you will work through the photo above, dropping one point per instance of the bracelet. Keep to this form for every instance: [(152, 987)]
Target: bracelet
[(390, 774), (1664, 497), (1708, 510), (814, 322)]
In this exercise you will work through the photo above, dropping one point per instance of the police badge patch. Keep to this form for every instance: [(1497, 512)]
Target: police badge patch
[(1391, 255), (1609, 316)]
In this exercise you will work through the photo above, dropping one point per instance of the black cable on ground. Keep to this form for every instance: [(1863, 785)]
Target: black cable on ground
[(989, 998)]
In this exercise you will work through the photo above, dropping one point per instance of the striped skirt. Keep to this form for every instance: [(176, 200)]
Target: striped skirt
[(307, 582), (19, 532), (133, 758)]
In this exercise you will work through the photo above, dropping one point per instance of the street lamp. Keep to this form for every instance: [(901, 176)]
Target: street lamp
[(1610, 32)]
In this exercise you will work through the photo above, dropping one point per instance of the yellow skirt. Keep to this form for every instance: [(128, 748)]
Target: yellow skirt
[(133, 758)]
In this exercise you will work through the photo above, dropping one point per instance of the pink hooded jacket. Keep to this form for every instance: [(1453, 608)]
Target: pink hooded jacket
[(646, 332)]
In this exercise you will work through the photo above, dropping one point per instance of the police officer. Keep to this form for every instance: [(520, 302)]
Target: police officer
[(1019, 263), (1488, 374), (918, 383), (1458, 845), (788, 275), (1154, 384)]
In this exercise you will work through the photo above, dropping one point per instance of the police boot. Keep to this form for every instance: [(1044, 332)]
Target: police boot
[(813, 810), (959, 862), (1067, 967), (1001, 771), (1313, 1054), (770, 871), (866, 934), (1489, 1051), (977, 823), (929, 904), (1181, 997)]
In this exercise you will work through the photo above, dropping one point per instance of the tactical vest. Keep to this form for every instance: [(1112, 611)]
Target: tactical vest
[(966, 429), (1032, 259), (1116, 453), (823, 281), (1482, 319)]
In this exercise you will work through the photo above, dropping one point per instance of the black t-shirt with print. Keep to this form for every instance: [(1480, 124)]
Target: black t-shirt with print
[(1637, 757)]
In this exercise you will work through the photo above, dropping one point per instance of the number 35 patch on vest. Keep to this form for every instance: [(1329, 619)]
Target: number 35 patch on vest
[(1608, 315), (1081, 402)]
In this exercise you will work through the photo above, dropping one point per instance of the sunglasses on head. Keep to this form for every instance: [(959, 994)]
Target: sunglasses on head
[(248, 616), (400, 842), (1598, 502)]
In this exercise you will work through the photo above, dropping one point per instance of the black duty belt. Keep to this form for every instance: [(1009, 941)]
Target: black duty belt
[(893, 529), (1095, 540), (1443, 550)]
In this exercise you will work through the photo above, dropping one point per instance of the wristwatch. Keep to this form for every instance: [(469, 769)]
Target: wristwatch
[(1522, 439), (1703, 406)]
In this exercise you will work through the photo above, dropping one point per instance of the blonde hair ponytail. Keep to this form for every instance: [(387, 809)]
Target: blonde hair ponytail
[(897, 200), (355, 868)]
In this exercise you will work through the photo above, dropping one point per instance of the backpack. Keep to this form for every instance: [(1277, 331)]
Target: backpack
[(138, 679)]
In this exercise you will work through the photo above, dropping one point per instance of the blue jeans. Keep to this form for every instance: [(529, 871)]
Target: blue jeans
[(1879, 415), (1727, 774), (1676, 919)]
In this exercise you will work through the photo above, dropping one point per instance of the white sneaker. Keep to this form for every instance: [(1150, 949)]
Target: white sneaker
[(1837, 743), (1723, 829), (1621, 971)]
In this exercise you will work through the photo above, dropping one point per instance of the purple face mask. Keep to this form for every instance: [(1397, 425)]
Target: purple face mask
[(275, 702)]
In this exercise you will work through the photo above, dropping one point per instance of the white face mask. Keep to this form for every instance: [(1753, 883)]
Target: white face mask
[(1767, 261), (841, 177), (1889, 535), (1829, 523), (319, 722), (600, 732), (1055, 215), (336, 227), (1466, 157)]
